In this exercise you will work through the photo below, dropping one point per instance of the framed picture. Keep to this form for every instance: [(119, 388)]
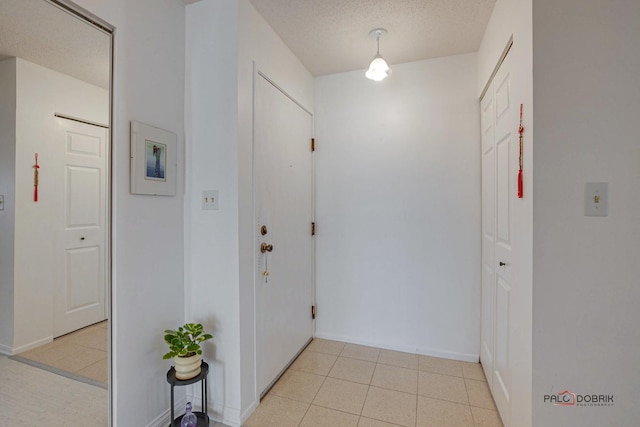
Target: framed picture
[(153, 160)]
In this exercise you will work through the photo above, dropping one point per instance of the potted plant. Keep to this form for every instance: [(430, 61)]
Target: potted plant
[(184, 347)]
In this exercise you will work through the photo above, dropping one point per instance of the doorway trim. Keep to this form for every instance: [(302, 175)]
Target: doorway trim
[(497, 67), (258, 73), (284, 92)]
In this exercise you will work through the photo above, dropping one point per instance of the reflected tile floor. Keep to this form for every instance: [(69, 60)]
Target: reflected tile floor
[(83, 353), (33, 397), (335, 384)]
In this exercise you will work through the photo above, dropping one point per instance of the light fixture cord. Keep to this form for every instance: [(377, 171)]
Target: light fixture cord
[(378, 52)]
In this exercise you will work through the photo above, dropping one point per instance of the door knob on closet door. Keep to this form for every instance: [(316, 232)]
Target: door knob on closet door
[(265, 248)]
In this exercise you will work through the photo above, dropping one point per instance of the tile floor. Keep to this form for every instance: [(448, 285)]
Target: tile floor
[(87, 348), (333, 384), (33, 397)]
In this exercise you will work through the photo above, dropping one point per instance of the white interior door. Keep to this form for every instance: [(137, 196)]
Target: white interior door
[(283, 201), (487, 121), (81, 232), (499, 174)]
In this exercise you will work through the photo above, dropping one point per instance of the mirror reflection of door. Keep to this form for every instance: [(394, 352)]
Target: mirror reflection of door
[(54, 215)]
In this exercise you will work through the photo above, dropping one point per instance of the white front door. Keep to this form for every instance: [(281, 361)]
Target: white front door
[(80, 227), (283, 203), (499, 189)]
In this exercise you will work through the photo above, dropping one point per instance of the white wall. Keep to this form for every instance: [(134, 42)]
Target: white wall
[(37, 94), (212, 236), (148, 231), (40, 94), (398, 208), (7, 188), (586, 85), (513, 18), (224, 38)]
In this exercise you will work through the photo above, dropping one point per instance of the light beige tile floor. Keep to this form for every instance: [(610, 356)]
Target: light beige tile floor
[(33, 397), (83, 352), (335, 384)]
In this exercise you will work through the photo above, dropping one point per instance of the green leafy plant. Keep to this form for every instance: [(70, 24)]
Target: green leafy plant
[(185, 341)]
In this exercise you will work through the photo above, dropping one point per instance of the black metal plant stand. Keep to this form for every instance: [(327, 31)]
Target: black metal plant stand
[(203, 417)]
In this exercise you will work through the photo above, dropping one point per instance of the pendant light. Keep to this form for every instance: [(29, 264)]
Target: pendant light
[(378, 69)]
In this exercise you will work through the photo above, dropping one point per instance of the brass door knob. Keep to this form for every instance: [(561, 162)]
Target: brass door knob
[(265, 248)]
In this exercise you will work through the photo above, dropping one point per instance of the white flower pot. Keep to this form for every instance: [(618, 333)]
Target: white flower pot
[(187, 367)]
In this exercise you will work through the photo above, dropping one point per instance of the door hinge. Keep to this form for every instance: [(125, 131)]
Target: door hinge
[(313, 228), (313, 144), (313, 311)]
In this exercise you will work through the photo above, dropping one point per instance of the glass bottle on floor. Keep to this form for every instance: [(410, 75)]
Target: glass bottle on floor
[(189, 419)]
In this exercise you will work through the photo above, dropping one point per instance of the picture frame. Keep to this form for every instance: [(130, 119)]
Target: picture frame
[(153, 160)]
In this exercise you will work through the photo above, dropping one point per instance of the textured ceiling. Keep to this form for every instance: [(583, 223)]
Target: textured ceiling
[(331, 36), (46, 35), (328, 36)]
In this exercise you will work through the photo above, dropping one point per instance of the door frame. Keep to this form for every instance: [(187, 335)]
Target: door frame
[(110, 30), (257, 74), (105, 211), (487, 85), (520, 342)]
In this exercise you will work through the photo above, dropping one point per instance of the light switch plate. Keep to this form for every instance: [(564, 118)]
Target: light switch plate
[(596, 199), (210, 200)]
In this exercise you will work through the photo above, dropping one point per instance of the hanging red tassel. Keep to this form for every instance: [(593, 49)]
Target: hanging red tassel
[(35, 180), (520, 183), (520, 192)]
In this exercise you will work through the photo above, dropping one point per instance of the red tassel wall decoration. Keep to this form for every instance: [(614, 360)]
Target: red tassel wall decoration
[(520, 183), (35, 180), (520, 194)]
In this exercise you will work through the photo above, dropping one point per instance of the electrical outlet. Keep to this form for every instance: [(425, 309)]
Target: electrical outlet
[(210, 200)]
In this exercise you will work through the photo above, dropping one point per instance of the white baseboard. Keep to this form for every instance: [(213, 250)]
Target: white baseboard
[(164, 419), (407, 349), (225, 415), (217, 411), (246, 414), (10, 351), (161, 420), (5, 349)]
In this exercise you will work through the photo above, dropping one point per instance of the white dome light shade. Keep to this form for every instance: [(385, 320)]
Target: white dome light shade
[(378, 70)]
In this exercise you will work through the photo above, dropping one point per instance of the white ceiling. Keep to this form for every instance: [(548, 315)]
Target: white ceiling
[(46, 35), (328, 36), (331, 36)]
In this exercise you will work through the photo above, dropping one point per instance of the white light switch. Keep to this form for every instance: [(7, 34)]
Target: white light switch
[(595, 199), (210, 200)]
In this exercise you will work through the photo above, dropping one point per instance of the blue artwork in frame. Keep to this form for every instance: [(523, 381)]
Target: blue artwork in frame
[(154, 164), (156, 154)]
